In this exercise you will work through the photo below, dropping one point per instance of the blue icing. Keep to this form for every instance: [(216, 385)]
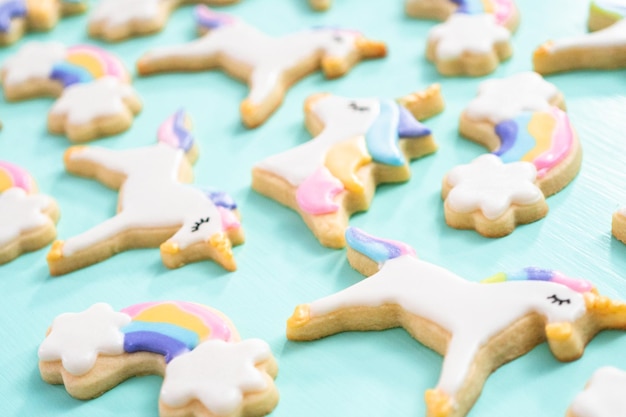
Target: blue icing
[(10, 10), (523, 141), (470, 6), (378, 250), (382, 137), (185, 138), (187, 337), (70, 74)]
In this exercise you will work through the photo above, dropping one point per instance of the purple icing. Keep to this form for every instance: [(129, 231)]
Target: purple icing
[(220, 198), (11, 10), (144, 341), (181, 131), (409, 126), (507, 132), (538, 274)]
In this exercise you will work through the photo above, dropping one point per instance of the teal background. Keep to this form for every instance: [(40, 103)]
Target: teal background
[(281, 264)]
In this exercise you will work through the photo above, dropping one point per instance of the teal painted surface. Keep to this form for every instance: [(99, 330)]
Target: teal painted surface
[(281, 264)]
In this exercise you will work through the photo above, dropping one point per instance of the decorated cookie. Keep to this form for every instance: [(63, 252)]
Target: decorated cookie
[(114, 20), (20, 16), (505, 12), (320, 4), (603, 396), (95, 98), (603, 13), (358, 143), (27, 219), (269, 65), (468, 44), (619, 224), (155, 206), (476, 326), (603, 49), (492, 197), (207, 370)]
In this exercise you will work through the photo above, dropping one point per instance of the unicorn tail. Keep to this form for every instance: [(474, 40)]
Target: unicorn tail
[(367, 253), (207, 19)]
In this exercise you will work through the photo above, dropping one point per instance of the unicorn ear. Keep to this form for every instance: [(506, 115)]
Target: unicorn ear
[(175, 131), (409, 126), (207, 19), (373, 249)]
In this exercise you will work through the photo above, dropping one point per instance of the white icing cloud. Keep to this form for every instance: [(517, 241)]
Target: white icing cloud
[(20, 212), (122, 12), (33, 60), (604, 395)]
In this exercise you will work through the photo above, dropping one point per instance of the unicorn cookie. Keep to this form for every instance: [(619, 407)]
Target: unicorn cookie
[(476, 326), (603, 48), (505, 12), (603, 396), (114, 20), (20, 16), (207, 370), (358, 143), (156, 207), (95, 98), (269, 65), (27, 219)]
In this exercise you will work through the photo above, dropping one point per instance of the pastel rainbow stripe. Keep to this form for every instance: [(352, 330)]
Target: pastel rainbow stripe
[(176, 131), (543, 138), (377, 249), (171, 328), (540, 274), (85, 63), (225, 206), (208, 19), (13, 176), (501, 9), (9, 10)]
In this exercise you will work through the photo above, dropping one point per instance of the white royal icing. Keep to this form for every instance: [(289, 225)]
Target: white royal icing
[(216, 373), (463, 33), (603, 396), (341, 122), (505, 98), (76, 339), (35, 60), (489, 185), (20, 212), (614, 35), (114, 13), (85, 102), (472, 313), (268, 57), (151, 196)]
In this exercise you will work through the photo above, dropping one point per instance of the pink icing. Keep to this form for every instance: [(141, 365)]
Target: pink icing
[(21, 178), (219, 328), (504, 9), (229, 220), (562, 140), (578, 285), (113, 65), (315, 195), (165, 133)]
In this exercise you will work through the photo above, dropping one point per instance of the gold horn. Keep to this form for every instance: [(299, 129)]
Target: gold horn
[(370, 49)]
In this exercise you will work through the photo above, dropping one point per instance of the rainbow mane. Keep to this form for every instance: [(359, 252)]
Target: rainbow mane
[(540, 274), (171, 328), (543, 138), (208, 19), (84, 63), (394, 122), (10, 10), (175, 131), (501, 9), (225, 206), (377, 249), (14, 176)]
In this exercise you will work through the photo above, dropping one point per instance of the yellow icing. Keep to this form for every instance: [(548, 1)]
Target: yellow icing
[(6, 181), (488, 5), (89, 62), (540, 127), (171, 313), (344, 160)]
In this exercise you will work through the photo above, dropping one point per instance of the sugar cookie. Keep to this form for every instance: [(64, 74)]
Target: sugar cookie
[(468, 44), (603, 13), (114, 20), (505, 12), (603, 49), (439, 309), (603, 396), (358, 143), (492, 197), (619, 224), (269, 65), (520, 118), (95, 98), (20, 16), (27, 219), (207, 370), (155, 206), (320, 5)]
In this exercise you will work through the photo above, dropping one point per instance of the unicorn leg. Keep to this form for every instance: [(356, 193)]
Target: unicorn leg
[(197, 55), (267, 91)]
